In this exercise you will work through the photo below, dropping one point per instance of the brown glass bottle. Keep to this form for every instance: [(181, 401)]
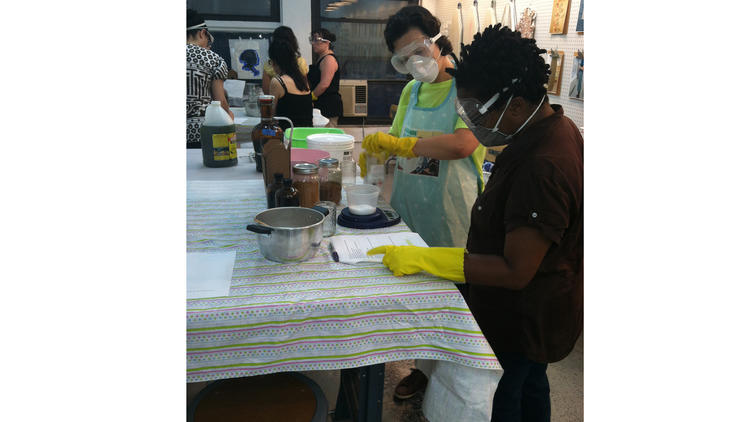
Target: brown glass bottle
[(287, 196), (268, 142), (272, 188)]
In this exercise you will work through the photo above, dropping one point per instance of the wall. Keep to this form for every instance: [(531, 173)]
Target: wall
[(446, 11), (294, 14)]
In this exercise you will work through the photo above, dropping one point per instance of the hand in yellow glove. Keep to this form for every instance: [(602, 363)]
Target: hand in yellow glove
[(442, 262), (313, 96), (383, 142), (362, 164)]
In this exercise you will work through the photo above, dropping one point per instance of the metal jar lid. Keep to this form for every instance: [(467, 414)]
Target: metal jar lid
[(305, 168), (329, 162)]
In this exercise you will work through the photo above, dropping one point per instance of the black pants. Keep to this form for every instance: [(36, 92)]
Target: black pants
[(523, 391)]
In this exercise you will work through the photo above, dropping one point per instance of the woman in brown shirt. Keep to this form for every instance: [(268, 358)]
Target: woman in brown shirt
[(523, 262)]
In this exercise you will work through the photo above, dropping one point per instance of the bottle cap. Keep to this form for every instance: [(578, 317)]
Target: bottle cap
[(328, 162)]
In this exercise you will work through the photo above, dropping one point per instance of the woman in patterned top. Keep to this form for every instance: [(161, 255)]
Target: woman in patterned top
[(206, 72)]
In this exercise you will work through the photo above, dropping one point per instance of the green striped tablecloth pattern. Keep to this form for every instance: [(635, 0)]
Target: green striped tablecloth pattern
[(314, 315)]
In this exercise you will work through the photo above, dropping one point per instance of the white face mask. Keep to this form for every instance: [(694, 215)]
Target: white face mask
[(416, 58), (423, 69)]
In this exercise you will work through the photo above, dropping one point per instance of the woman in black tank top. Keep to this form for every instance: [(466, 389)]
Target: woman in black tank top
[(296, 107), (324, 89)]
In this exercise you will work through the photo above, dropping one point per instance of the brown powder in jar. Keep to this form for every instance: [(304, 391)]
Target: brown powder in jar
[(330, 191), (309, 192)]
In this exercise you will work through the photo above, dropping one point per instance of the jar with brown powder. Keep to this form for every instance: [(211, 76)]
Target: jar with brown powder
[(307, 182), (330, 180)]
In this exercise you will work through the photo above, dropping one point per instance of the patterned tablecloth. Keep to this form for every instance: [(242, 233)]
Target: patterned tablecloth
[(313, 315)]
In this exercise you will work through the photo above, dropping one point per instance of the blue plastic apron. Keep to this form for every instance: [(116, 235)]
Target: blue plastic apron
[(436, 207)]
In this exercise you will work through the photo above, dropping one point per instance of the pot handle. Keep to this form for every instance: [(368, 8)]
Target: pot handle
[(259, 229), (321, 210)]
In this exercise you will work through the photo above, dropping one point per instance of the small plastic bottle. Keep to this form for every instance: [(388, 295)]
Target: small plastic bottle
[(271, 189), (287, 196)]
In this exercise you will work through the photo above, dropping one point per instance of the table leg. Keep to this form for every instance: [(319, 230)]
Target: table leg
[(361, 394)]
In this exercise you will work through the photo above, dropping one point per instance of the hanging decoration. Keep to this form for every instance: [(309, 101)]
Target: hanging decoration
[(248, 56), (559, 22), (527, 24), (555, 60)]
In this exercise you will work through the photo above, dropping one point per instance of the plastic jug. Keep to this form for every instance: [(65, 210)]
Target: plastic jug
[(218, 137)]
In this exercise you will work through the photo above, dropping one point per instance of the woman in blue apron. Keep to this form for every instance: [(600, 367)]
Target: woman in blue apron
[(438, 173)]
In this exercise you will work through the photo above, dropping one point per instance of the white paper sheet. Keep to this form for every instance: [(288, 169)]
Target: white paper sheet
[(209, 274), (352, 249), (234, 87)]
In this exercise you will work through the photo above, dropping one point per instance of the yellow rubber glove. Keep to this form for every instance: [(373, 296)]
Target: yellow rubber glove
[(392, 145), (362, 164), (313, 96), (442, 262)]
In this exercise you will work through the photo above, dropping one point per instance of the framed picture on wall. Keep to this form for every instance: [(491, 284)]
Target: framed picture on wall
[(575, 91), (559, 21), (579, 25), (555, 69)]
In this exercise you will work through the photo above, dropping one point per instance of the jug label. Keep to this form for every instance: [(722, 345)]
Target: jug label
[(224, 146), (268, 132)]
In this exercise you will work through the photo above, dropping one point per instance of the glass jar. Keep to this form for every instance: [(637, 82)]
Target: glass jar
[(329, 224), (307, 182), (330, 180)]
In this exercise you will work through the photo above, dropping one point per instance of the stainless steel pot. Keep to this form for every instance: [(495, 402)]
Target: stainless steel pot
[(289, 234)]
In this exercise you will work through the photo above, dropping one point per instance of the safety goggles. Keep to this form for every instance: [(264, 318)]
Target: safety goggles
[(317, 39), (473, 112), (421, 48)]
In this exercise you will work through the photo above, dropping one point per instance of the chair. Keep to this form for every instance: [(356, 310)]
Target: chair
[(289, 397)]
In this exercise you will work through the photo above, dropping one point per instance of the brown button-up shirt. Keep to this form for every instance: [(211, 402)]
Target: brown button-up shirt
[(537, 181)]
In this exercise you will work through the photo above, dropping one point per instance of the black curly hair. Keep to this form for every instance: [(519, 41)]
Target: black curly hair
[(494, 59), (415, 17)]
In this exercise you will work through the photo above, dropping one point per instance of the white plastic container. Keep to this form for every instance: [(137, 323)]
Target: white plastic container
[(216, 116), (362, 199), (340, 146)]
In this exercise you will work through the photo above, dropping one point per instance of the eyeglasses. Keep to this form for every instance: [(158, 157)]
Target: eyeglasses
[(317, 39), (421, 48)]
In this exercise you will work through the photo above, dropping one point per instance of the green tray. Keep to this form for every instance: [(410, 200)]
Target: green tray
[(301, 134)]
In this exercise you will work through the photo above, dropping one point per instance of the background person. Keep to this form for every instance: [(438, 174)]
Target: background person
[(438, 173), (324, 76), (286, 33), (523, 261), (206, 72), (289, 87)]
